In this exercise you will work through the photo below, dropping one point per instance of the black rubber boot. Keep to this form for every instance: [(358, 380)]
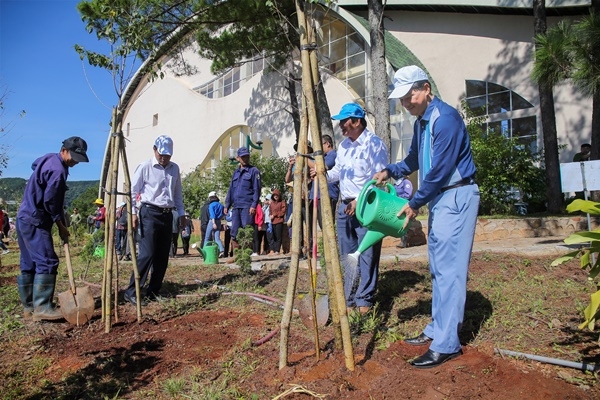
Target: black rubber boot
[(43, 293), (25, 285)]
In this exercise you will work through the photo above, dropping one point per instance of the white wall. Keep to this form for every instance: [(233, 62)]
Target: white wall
[(495, 48)]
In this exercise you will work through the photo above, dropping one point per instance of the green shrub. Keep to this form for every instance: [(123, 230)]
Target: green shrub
[(197, 184), (242, 256), (503, 165)]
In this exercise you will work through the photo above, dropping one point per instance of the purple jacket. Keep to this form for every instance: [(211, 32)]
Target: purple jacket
[(44, 194)]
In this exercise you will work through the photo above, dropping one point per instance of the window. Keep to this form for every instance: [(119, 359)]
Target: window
[(342, 52), (498, 103), (231, 80)]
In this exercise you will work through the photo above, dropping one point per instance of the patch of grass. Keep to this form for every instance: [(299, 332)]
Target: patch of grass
[(21, 379), (173, 387)]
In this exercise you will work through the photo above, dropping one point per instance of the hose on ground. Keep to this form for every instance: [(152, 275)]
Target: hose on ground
[(571, 364)]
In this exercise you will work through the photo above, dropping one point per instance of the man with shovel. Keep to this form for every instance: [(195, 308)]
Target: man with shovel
[(42, 206)]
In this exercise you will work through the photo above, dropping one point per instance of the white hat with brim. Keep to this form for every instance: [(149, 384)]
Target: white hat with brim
[(405, 78), (164, 145)]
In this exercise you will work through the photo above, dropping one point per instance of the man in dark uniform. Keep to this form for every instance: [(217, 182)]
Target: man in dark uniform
[(42, 206), (243, 194), (157, 182)]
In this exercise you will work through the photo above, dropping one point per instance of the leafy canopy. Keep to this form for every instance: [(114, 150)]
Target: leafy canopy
[(570, 50)]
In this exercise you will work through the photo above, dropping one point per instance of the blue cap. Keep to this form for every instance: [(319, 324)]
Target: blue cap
[(350, 110), (242, 151)]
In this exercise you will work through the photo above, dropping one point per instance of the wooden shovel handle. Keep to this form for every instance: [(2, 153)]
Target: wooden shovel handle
[(69, 268)]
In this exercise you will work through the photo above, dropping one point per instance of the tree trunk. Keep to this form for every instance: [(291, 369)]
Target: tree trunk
[(553, 186), (379, 105), (295, 109), (595, 139)]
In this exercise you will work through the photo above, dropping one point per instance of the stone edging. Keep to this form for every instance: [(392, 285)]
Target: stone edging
[(512, 228)]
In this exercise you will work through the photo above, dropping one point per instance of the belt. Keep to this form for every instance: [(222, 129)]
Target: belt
[(348, 200), (157, 208), (463, 182)]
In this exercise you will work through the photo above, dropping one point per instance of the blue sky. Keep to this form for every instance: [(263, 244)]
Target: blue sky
[(44, 76)]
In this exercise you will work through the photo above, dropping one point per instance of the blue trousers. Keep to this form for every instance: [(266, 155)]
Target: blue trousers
[(37, 250), (240, 218), (154, 242), (359, 291), (213, 234), (452, 222)]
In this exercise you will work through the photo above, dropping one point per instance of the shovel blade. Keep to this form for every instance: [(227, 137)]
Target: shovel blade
[(305, 310), (77, 308)]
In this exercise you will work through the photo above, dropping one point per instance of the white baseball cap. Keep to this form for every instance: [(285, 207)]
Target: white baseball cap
[(164, 145), (404, 80), (212, 194)]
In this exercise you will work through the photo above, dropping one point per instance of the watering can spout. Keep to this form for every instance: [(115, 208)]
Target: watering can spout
[(371, 238)]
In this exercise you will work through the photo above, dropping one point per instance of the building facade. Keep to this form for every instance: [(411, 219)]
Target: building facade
[(480, 52)]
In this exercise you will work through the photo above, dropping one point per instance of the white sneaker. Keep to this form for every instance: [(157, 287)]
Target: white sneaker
[(6, 252), (254, 255)]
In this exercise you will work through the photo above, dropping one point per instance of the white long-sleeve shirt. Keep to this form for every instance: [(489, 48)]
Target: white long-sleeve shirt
[(158, 185), (356, 163)]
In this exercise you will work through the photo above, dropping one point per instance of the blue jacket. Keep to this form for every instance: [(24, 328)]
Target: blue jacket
[(44, 195), (244, 189), (215, 210), (451, 158)]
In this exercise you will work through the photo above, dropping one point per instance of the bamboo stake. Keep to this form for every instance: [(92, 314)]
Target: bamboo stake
[(320, 169), (130, 233), (335, 317), (295, 250), (312, 263), (109, 227)]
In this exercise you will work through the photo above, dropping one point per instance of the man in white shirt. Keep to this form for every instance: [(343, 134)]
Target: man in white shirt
[(157, 184), (359, 156)]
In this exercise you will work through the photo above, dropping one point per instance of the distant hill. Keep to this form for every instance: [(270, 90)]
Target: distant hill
[(11, 189)]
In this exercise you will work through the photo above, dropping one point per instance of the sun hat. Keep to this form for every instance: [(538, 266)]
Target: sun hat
[(77, 147), (100, 202), (350, 110), (405, 78), (164, 145)]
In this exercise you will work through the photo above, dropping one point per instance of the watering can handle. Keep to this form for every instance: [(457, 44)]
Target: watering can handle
[(360, 201)]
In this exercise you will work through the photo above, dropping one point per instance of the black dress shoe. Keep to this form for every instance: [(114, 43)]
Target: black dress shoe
[(419, 340), (433, 359), (133, 300)]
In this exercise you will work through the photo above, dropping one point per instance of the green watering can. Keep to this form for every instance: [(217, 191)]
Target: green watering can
[(377, 210), (210, 253)]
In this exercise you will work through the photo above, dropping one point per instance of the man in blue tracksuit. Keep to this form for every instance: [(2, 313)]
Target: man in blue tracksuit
[(441, 151), (42, 207), (243, 195)]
